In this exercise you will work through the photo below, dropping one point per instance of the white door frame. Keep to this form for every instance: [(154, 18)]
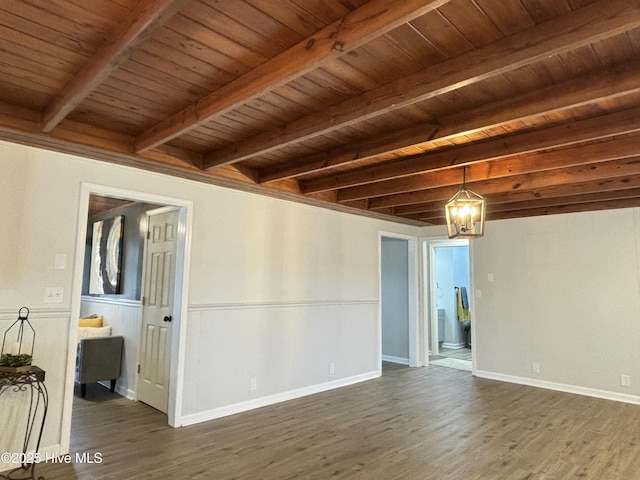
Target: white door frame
[(183, 255), (429, 246), (414, 298)]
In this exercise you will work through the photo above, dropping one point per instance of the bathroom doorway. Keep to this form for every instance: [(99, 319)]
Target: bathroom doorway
[(450, 340)]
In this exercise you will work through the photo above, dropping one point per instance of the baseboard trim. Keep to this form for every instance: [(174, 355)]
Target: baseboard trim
[(401, 361), (560, 387), (123, 392), (456, 346), (126, 393), (272, 399)]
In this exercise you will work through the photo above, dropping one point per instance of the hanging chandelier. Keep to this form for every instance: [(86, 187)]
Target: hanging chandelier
[(465, 213)]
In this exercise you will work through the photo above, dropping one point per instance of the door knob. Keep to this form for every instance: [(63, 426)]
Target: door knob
[(167, 318)]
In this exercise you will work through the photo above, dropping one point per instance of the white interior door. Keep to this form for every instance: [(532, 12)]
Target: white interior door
[(157, 308)]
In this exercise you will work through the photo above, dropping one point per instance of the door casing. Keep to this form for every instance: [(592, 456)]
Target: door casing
[(178, 343), (430, 287), (414, 298)]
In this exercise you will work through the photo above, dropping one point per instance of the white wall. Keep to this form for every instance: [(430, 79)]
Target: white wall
[(565, 295), (395, 299), (277, 290)]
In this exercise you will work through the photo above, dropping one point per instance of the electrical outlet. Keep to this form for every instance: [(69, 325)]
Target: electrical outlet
[(254, 384), (625, 380), (53, 295), (535, 368), (332, 368)]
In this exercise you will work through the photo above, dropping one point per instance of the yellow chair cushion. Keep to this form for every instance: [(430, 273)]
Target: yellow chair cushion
[(95, 322)]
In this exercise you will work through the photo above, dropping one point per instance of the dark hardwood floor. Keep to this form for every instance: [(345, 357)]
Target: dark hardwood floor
[(424, 423)]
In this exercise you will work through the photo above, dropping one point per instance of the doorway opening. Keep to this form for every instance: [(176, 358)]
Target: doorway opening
[(125, 308), (449, 326), (399, 300)]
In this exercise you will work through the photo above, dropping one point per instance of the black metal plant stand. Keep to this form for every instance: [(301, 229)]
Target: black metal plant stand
[(32, 382)]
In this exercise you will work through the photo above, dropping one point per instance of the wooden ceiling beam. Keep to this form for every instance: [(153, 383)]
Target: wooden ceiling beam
[(623, 168), (572, 208), (610, 149), (148, 15), (496, 208), (194, 159), (587, 197), (248, 172), (614, 82), (589, 24), (607, 84), (352, 152), (102, 145), (606, 186), (73, 137), (550, 210), (394, 172), (527, 197), (609, 184), (363, 25)]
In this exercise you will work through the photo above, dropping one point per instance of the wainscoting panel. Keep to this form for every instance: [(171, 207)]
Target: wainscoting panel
[(242, 355), (50, 353), (124, 316)]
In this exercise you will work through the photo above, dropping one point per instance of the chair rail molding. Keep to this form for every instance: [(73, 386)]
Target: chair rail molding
[(42, 313), (278, 304)]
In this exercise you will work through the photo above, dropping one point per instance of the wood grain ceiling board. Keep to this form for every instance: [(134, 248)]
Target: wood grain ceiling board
[(99, 204), (322, 102), (526, 181), (353, 30), (393, 96)]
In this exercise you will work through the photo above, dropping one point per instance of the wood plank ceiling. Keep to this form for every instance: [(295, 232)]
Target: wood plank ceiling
[(372, 107)]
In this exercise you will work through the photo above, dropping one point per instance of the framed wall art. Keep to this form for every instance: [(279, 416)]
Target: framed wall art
[(106, 256)]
